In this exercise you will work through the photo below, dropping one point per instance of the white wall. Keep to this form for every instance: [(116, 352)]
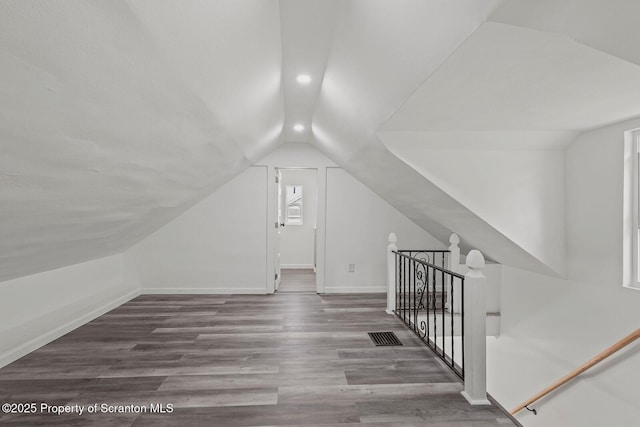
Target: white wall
[(297, 155), (594, 180), (353, 224), (39, 308), (297, 241), (225, 243), (518, 192), (217, 246), (551, 326), (358, 226), (493, 289)]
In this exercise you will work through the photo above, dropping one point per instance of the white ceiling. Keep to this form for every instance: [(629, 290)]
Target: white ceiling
[(505, 77), (382, 51), (609, 26), (118, 116), (307, 34)]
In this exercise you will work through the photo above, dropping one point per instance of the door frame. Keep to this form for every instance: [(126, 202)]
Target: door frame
[(321, 175)]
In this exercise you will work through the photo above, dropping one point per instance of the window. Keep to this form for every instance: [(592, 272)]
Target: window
[(631, 210), (294, 205)]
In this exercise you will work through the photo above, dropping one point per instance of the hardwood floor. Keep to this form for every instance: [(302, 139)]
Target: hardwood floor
[(297, 280), (242, 360)]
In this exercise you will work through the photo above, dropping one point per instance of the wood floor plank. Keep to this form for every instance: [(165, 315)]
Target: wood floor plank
[(279, 379), (293, 358), (313, 414), (297, 280), (364, 393)]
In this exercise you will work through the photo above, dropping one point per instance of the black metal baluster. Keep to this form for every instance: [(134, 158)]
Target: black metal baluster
[(400, 284), (462, 320), (433, 305), (442, 309), (397, 284), (413, 296), (402, 288), (404, 279), (417, 287), (396, 280), (404, 309), (443, 289), (426, 293), (411, 282), (400, 293), (452, 278)]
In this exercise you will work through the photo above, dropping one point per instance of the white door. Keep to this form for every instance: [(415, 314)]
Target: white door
[(279, 223)]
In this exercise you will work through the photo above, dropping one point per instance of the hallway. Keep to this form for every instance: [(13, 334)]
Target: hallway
[(251, 360), (297, 280)]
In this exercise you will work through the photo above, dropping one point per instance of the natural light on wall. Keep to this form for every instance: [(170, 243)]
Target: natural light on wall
[(294, 205), (631, 210)]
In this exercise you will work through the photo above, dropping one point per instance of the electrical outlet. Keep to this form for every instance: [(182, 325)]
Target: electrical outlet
[(352, 268)]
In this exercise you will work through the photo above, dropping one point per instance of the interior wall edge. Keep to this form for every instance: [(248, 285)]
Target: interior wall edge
[(203, 291), (297, 266), (27, 347), (355, 289)]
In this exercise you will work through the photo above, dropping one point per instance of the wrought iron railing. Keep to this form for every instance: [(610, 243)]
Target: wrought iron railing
[(425, 303), (438, 258)]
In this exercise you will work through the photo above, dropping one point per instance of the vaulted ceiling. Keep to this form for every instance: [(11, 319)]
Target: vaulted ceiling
[(116, 116)]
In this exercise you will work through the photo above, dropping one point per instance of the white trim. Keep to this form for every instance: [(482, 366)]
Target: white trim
[(631, 213), (321, 234), (203, 291), (297, 266), (475, 402), (381, 289), (47, 337), (272, 178), (269, 283), (320, 247)]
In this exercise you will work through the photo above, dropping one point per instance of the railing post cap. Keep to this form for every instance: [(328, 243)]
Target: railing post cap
[(454, 239), (475, 260), (393, 238)]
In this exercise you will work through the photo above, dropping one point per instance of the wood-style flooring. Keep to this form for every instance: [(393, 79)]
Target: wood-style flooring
[(297, 280), (241, 360)]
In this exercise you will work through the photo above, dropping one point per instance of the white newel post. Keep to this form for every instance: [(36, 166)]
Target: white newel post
[(475, 336), (454, 265), (391, 273)]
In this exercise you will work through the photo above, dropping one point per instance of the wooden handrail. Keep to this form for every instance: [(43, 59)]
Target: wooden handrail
[(599, 358)]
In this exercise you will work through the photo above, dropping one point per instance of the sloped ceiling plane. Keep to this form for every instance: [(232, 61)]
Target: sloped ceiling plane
[(117, 116)]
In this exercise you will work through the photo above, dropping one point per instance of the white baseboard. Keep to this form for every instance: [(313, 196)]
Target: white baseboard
[(34, 344), (203, 291), (355, 289), (475, 402), (297, 266)]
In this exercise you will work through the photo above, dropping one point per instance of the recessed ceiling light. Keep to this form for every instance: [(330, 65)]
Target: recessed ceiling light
[(298, 127), (303, 79)]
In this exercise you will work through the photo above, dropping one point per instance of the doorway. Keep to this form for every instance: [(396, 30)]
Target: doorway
[(297, 280), (296, 248)]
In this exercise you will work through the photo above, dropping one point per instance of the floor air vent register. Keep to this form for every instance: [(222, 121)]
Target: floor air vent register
[(384, 338)]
